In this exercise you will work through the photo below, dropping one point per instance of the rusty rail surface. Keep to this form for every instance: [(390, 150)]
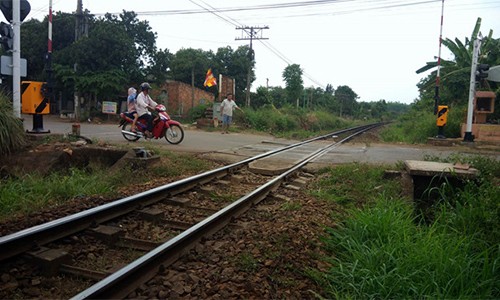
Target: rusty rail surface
[(123, 282)]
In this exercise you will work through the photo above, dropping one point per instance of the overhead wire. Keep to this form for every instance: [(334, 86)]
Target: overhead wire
[(373, 5)]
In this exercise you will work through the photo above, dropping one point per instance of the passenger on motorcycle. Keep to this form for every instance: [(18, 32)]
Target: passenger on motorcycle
[(131, 109), (144, 102)]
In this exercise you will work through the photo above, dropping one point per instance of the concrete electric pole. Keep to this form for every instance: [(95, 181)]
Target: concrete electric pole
[(253, 33), (468, 137)]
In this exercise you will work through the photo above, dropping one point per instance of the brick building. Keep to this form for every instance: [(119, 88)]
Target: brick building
[(180, 97)]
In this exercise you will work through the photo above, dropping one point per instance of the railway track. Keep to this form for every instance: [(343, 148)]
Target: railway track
[(110, 250)]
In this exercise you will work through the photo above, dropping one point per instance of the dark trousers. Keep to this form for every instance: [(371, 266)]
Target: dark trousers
[(149, 121)]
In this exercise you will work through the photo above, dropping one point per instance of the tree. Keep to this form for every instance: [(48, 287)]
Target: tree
[(159, 69), (346, 99), (142, 43), (34, 41), (190, 65), (261, 97), (111, 55), (455, 74), (292, 75)]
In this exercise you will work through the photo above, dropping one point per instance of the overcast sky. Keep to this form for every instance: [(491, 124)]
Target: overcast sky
[(373, 46)]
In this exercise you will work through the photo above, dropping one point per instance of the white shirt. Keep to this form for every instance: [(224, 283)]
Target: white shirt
[(228, 107), (143, 101)]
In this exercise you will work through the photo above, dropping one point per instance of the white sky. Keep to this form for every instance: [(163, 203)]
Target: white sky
[(374, 46)]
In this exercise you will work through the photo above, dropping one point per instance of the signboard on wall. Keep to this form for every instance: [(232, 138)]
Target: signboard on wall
[(109, 107)]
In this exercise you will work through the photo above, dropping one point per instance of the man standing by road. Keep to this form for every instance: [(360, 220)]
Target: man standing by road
[(144, 102), (226, 110)]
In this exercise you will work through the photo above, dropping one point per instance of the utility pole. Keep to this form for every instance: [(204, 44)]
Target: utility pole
[(468, 137), (16, 58), (78, 34), (252, 33)]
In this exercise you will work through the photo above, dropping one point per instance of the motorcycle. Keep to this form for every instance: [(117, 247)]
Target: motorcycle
[(163, 126)]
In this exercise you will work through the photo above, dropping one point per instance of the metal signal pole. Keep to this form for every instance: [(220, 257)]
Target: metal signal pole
[(16, 58), (436, 92), (251, 35)]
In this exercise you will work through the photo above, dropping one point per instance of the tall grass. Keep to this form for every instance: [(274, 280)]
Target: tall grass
[(33, 192), (381, 251), (354, 185), (417, 126), (12, 136), (290, 122)]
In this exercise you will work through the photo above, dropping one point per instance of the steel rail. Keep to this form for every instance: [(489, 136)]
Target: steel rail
[(125, 280), (31, 238)]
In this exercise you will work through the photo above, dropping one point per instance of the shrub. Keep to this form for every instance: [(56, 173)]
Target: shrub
[(198, 111), (417, 126), (12, 136)]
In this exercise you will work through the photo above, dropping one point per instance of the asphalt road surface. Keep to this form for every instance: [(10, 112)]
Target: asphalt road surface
[(195, 140), (236, 146)]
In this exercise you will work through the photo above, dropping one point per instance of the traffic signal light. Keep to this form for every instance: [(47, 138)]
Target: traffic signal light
[(7, 35), (482, 71)]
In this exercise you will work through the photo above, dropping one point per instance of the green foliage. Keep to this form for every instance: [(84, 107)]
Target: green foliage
[(270, 119), (322, 120), (198, 111), (32, 192), (354, 184), (455, 74), (346, 100), (292, 75), (418, 125), (12, 136), (380, 251), (178, 164), (473, 209), (290, 122)]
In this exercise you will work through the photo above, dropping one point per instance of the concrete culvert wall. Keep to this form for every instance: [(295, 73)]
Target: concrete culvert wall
[(51, 160)]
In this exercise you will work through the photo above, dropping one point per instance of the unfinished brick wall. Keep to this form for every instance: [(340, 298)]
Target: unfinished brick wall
[(178, 97), (227, 85)]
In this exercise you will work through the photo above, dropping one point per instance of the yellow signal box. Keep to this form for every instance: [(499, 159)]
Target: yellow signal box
[(442, 115), (33, 100)]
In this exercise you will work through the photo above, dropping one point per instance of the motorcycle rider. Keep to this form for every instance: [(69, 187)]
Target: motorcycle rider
[(144, 102)]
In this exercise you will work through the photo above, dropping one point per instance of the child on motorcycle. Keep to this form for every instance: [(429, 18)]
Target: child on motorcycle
[(131, 109)]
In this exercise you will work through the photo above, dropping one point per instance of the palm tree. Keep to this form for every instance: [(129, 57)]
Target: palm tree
[(455, 74)]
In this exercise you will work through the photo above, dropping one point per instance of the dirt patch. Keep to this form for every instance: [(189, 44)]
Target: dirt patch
[(47, 158)]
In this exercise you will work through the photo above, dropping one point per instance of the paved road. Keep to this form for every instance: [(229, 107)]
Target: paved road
[(236, 146), (195, 140)]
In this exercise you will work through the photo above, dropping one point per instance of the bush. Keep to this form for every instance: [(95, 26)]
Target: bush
[(198, 112), (417, 126), (290, 121), (12, 136)]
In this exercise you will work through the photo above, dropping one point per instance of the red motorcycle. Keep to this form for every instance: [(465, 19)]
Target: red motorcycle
[(163, 126)]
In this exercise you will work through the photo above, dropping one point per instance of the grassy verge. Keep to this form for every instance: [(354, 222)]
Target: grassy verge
[(290, 122), (380, 251), (33, 192), (417, 126)]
